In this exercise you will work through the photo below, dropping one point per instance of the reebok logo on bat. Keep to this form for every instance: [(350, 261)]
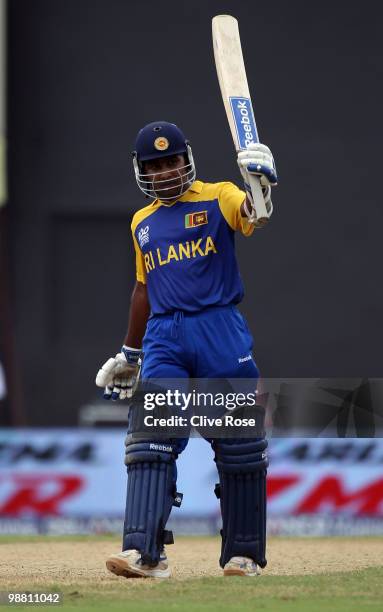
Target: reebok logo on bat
[(244, 121)]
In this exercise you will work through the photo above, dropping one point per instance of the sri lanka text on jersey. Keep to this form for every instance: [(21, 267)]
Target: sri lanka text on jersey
[(179, 252)]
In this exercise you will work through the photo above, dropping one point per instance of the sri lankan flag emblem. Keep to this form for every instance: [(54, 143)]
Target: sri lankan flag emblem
[(195, 219)]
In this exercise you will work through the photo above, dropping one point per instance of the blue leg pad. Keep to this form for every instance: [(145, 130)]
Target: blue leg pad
[(150, 496), (242, 471)]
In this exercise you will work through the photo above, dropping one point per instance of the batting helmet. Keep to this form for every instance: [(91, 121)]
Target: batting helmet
[(162, 139)]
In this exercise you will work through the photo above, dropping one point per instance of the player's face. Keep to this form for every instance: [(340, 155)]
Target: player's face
[(166, 174)]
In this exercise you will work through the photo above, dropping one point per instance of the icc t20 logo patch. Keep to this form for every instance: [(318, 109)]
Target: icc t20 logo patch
[(143, 236), (195, 219)]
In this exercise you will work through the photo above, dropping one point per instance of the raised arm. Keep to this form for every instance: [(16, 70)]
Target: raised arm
[(257, 160)]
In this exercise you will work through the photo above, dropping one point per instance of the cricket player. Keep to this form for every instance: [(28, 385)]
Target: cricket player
[(183, 323)]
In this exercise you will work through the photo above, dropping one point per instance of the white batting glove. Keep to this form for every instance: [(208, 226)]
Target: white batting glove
[(120, 374), (258, 160)]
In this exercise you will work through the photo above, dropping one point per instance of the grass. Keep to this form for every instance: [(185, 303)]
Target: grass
[(342, 592)]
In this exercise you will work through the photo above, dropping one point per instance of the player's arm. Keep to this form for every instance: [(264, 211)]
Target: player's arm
[(138, 316), (247, 207), (120, 374), (257, 160), (237, 205)]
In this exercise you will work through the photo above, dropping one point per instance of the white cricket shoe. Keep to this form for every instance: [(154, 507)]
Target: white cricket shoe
[(241, 566), (128, 563)]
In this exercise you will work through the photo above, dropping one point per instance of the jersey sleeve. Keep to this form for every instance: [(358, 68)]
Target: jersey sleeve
[(140, 262), (230, 200)]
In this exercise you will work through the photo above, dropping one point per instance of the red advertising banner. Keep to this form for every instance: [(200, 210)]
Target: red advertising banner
[(80, 473)]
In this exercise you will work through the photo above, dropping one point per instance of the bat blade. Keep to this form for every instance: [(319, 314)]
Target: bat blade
[(232, 79)]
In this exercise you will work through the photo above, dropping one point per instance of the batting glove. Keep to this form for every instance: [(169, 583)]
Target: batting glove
[(258, 160), (120, 374)]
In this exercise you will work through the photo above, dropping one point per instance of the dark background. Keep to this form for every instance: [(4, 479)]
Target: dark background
[(85, 75)]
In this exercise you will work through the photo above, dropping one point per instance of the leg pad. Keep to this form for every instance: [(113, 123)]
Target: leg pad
[(151, 494), (242, 471)]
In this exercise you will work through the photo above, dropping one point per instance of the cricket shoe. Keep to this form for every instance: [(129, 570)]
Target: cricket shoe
[(241, 566), (129, 564)]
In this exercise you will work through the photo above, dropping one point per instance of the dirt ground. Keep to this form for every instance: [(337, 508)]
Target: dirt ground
[(23, 564)]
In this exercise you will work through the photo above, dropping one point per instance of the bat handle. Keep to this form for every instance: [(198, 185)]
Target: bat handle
[(258, 200)]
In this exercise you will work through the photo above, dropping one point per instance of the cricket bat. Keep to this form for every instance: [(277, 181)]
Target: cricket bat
[(236, 97)]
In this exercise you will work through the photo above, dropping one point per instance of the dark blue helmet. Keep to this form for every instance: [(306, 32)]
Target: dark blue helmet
[(159, 139), (162, 139)]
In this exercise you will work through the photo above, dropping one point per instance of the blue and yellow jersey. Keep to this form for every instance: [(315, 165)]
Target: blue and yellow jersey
[(185, 251)]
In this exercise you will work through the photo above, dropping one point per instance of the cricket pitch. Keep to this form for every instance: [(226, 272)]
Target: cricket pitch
[(300, 571)]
